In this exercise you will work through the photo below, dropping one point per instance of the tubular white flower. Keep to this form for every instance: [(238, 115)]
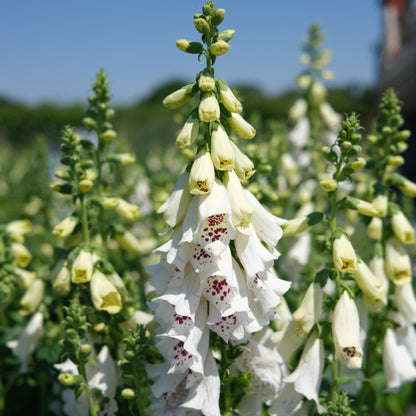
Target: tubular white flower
[(402, 228), (209, 109), (298, 110), (25, 277), (343, 255), (81, 270), (406, 302), (376, 266), (299, 135), (202, 175), (32, 297), (65, 227), (104, 294), (28, 341), (375, 228), (241, 126), (330, 116), (61, 277), (174, 209), (346, 332), (381, 203), (188, 133), (229, 100), (397, 263), (397, 362), (308, 374), (22, 254), (222, 153), (18, 229), (243, 166)]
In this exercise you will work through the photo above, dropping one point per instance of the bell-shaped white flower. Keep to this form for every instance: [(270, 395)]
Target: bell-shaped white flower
[(104, 294), (402, 228), (298, 109), (188, 133), (18, 229), (22, 254), (65, 227), (243, 166), (343, 254), (308, 374), (81, 270), (28, 341), (299, 135), (202, 175), (222, 153), (406, 302), (241, 126), (397, 362), (397, 262), (209, 109), (61, 278), (346, 332), (32, 297), (331, 118), (228, 98)]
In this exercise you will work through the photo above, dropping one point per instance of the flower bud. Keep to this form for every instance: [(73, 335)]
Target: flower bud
[(228, 98), (300, 224), (343, 255), (358, 164), (61, 278), (127, 210), (104, 294), (189, 132), (380, 201), (395, 161), (243, 166), (218, 48), (85, 185), (109, 135), (109, 203), (201, 25), (89, 123), (65, 227), (22, 254), (298, 110), (85, 350), (63, 174), (202, 175), (397, 263), (217, 17), (82, 267), (189, 46), (178, 97), (122, 158), (402, 228), (318, 91), (17, 229), (241, 126), (346, 332), (328, 184), (209, 109), (128, 242), (363, 207), (375, 228), (32, 297), (327, 74), (128, 394), (66, 379), (25, 277), (304, 81), (222, 153), (226, 35)]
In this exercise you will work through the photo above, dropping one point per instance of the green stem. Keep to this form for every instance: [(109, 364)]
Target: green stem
[(87, 390), (84, 220), (139, 400), (225, 379)]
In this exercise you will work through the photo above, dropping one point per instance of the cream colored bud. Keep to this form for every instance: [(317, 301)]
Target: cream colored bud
[(395, 161), (343, 255), (310, 308), (228, 98), (328, 75), (85, 185), (61, 277), (206, 83), (65, 227), (408, 187), (189, 133), (368, 283), (67, 379), (104, 294), (128, 394), (219, 48), (243, 166), (202, 175), (363, 207), (346, 332), (209, 109), (298, 110), (397, 263), (129, 242), (241, 126), (375, 228), (109, 135), (32, 297), (177, 98), (375, 304), (304, 59), (318, 91), (22, 254), (18, 229), (91, 174), (127, 210), (304, 81), (222, 153), (402, 228), (328, 184), (189, 46), (358, 164), (381, 203), (295, 226), (122, 158), (25, 277), (109, 202), (82, 267)]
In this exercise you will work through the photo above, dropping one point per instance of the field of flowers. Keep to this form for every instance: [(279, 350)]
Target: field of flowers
[(249, 269)]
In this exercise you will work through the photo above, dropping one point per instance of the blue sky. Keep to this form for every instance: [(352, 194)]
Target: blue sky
[(51, 49)]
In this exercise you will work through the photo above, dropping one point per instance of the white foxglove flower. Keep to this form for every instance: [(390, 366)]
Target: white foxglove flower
[(243, 166), (406, 302), (25, 277), (402, 228), (330, 116), (375, 228), (346, 332), (209, 109), (241, 126), (228, 98), (81, 270), (179, 97), (299, 135), (104, 294), (308, 374), (397, 263), (61, 278), (300, 251), (381, 201), (18, 229), (65, 227), (28, 341), (397, 362), (222, 153), (376, 266), (202, 175), (32, 297), (189, 132), (22, 254), (298, 110), (343, 255)]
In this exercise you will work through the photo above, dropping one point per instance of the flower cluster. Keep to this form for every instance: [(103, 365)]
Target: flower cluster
[(215, 273)]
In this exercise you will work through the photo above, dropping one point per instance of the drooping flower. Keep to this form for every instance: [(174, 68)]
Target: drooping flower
[(104, 294), (343, 254), (202, 175), (397, 263), (32, 297), (81, 270)]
